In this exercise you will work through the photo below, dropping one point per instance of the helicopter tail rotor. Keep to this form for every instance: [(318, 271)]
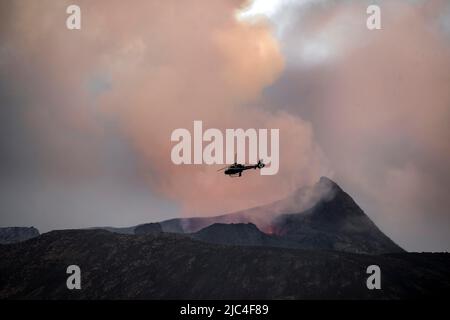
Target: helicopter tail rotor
[(260, 164)]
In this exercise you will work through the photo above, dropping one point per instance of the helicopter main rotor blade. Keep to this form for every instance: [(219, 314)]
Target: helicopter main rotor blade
[(222, 169)]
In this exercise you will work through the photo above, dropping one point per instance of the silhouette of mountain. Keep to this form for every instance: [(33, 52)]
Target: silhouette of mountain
[(320, 217), (335, 222), (17, 234), (174, 266)]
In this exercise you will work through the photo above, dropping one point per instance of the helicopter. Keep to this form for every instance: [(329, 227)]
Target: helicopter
[(235, 170)]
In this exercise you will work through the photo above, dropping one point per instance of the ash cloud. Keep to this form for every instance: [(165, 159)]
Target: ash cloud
[(379, 104), (97, 107), (100, 104)]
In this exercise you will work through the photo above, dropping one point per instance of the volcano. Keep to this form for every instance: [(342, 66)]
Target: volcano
[(335, 222), (318, 236), (319, 217)]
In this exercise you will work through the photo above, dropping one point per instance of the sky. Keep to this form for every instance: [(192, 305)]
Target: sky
[(86, 115)]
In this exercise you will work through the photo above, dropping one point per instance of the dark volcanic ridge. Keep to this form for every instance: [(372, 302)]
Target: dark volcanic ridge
[(240, 234), (174, 266)]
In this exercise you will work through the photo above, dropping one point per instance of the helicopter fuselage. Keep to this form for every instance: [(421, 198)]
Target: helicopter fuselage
[(236, 169)]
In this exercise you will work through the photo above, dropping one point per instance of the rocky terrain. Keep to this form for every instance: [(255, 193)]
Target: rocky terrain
[(171, 266)]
